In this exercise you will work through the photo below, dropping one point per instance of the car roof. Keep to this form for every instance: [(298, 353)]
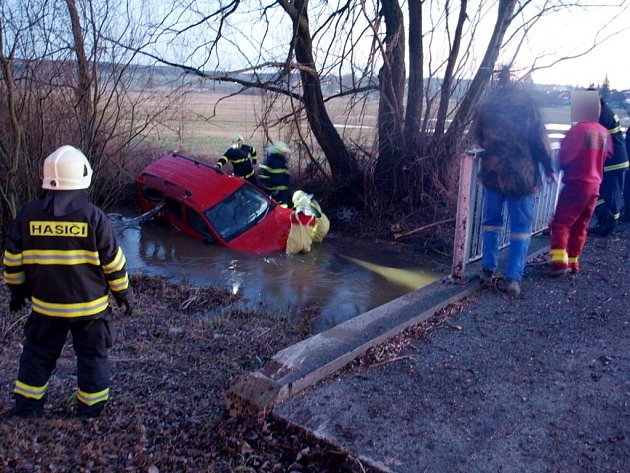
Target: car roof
[(204, 185)]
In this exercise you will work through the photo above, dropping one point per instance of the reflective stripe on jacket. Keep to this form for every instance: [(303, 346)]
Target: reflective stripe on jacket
[(68, 263), (241, 160), (610, 121), (274, 174)]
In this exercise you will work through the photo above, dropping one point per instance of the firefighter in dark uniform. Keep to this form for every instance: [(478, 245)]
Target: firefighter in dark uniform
[(274, 175), (243, 158), (62, 254), (608, 207), (626, 186)]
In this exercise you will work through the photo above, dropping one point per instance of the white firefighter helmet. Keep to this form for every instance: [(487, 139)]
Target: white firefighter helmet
[(67, 169), (237, 141)]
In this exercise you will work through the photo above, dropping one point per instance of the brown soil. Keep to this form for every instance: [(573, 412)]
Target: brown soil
[(170, 365)]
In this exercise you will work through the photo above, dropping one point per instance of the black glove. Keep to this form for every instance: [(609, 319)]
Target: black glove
[(17, 303), (18, 298), (125, 298)]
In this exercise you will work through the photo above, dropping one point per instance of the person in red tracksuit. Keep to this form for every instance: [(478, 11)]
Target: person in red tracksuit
[(583, 152)]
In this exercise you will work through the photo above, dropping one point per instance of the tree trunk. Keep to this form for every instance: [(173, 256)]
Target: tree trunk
[(321, 125), (82, 89), (413, 117), (11, 147), (391, 142), (462, 118), (445, 92)]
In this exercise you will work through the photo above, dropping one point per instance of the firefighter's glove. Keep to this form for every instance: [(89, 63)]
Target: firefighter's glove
[(18, 298), (17, 303), (125, 298)]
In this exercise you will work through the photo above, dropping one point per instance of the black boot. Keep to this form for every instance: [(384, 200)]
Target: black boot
[(86, 411), (29, 408), (608, 227)]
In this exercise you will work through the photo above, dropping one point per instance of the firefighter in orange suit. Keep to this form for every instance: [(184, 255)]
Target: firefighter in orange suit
[(308, 223), (62, 254)]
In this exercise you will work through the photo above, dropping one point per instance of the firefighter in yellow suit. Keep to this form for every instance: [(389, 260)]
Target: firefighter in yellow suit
[(308, 223), (62, 254)]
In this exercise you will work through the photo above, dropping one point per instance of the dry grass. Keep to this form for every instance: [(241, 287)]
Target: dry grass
[(202, 122), (170, 365)]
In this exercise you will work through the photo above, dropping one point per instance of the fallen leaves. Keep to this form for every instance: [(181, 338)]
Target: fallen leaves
[(170, 365)]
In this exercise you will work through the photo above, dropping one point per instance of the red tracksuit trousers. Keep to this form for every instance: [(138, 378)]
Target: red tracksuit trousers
[(576, 204)]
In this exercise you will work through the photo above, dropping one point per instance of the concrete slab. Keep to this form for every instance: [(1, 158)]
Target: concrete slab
[(301, 365)]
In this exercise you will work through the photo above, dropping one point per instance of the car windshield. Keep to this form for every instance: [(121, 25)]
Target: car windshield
[(238, 212)]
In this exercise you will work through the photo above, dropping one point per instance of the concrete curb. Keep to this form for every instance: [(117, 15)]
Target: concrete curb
[(301, 365)]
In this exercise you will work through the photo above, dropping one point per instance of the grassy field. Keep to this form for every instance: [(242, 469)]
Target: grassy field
[(203, 122)]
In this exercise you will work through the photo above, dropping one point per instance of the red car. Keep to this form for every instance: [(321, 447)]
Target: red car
[(205, 203)]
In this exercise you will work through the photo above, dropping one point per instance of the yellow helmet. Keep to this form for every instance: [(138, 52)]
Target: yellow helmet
[(280, 147), (67, 169), (301, 199)]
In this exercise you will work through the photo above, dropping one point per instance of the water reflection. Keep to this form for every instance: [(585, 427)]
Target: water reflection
[(344, 277)]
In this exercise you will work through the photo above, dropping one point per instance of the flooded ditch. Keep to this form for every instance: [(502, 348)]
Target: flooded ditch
[(343, 277)]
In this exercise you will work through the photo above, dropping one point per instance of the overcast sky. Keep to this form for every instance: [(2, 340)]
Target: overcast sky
[(567, 32), (572, 32)]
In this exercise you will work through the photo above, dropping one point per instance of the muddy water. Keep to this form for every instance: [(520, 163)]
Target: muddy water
[(344, 277)]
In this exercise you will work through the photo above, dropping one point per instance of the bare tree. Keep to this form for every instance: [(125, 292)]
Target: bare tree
[(75, 84), (505, 15), (413, 117), (312, 98), (69, 85), (416, 136), (391, 87), (83, 87)]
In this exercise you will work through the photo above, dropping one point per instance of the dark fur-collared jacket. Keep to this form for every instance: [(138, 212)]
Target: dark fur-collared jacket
[(509, 128)]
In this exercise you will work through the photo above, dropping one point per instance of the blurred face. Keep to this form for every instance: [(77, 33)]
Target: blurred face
[(239, 143), (585, 106)]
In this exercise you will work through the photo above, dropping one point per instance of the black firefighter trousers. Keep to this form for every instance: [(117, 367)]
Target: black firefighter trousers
[(610, 197), (45, 339)]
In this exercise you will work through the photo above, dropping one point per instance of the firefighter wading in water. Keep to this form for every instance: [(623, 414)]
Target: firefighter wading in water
[(62, 254), (243, 159), (274, 176)]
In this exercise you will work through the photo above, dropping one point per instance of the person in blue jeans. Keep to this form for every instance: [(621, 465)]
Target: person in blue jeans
[(508, 126), (520, 212)]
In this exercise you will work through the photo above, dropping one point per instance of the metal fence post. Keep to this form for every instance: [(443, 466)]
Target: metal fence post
[(463, 213)]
